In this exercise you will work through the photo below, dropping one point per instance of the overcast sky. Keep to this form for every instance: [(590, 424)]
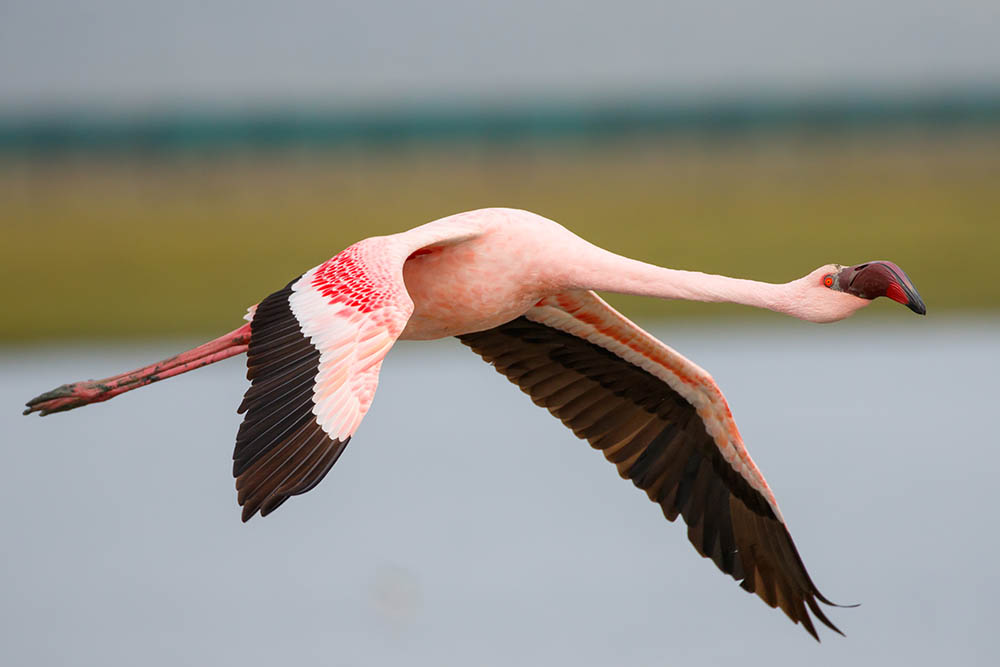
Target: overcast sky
[(128, 54)]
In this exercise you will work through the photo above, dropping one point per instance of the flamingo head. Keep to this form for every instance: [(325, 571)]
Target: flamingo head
[(833, 292), (874, 279)]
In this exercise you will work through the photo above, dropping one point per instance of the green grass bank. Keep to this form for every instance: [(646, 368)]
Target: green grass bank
[(106, 247)]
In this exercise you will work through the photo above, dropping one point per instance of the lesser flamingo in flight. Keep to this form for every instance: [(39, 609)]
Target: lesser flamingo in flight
[(518, 289)]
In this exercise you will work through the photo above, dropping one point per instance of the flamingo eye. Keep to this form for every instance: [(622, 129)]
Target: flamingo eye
[(828, 280)]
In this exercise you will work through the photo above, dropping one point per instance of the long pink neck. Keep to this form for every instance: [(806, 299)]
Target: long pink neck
[(605, 271)]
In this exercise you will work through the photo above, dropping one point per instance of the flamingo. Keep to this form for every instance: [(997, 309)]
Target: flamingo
[(518, 289)]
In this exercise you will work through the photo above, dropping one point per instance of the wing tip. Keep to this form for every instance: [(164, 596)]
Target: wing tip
[(811, 599)]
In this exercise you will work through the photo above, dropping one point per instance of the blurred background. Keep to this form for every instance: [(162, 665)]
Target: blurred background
[(163, 166)]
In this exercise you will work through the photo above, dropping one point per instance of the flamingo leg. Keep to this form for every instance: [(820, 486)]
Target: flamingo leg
[(76, 394)]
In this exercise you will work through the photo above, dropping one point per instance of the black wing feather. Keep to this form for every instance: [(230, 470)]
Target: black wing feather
[(656, 439), (281, 450)]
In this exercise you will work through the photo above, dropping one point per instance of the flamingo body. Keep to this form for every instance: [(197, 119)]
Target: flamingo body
[(517, 289)]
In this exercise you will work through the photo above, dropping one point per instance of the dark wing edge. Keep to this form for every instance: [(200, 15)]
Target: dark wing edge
[(281, 450), (656, 439)]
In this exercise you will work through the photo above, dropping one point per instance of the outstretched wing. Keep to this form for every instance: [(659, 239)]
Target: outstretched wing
[(315, 350), (666, 426)]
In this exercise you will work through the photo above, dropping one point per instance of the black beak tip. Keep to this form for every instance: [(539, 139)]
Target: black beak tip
[(917, 306)]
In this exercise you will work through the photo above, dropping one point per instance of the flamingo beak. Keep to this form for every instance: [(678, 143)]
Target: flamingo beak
[(881, 278)]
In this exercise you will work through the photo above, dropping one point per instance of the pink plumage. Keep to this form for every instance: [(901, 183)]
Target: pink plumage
[(517, 289)]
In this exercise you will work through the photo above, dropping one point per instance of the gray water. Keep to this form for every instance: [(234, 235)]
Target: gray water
[(464, 526)]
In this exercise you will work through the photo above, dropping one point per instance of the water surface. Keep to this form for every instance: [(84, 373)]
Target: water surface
[(464, 526)]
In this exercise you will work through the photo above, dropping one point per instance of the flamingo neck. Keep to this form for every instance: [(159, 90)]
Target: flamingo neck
[(612, 273)]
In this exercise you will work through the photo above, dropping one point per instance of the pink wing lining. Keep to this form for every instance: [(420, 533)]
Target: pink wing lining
[(662, 421), (315, 351), (353, 307), (587, 316), (353, 339)]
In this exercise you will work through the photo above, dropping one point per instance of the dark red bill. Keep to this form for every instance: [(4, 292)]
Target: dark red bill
[(881, 278)]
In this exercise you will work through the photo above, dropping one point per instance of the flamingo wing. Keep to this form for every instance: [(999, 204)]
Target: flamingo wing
[(315, 351), (666, 426), (314, 356)]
